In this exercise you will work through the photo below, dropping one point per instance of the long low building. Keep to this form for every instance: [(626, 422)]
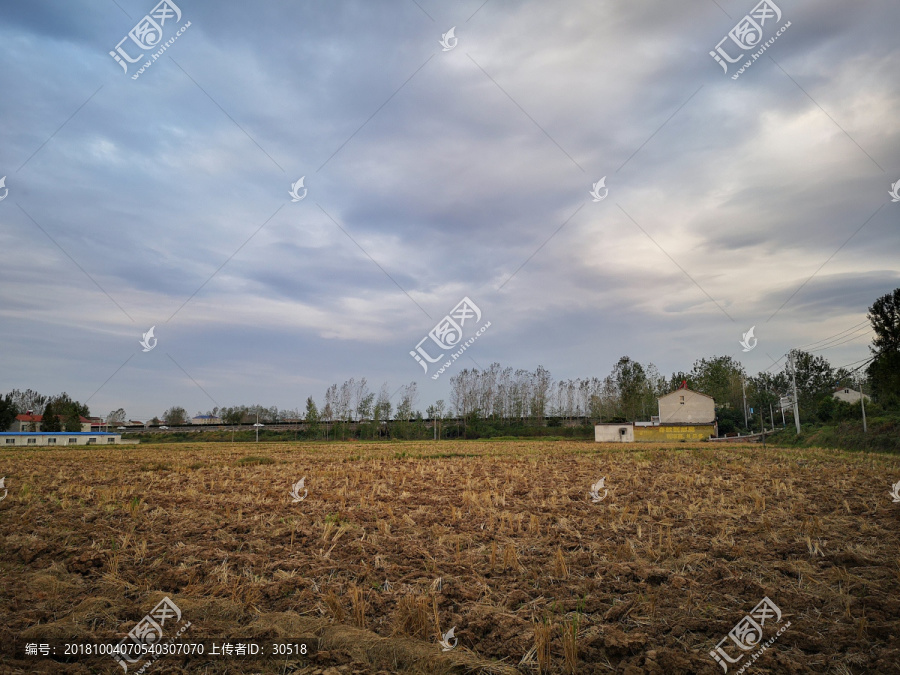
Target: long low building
[(630, 432), (34, 438)]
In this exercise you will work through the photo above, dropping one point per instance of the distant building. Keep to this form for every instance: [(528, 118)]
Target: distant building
[(685, 406), (30, 422), (98, 424), (684, 415), (36, 438), (206, 419), (849, 395)]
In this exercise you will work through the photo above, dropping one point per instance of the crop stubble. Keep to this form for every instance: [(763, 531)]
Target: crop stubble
[(398, 542)]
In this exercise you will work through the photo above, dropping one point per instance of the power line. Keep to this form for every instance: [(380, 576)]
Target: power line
[(868, 360), (843, 332), (837, 344), (776, 363)]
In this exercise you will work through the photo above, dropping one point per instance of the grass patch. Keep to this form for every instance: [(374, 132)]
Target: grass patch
[(253, 459)]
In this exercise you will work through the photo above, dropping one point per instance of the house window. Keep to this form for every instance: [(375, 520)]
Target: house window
[(51, 441), (110, 440), (73, 441), (32, 441), (91, 441), (10, 441)]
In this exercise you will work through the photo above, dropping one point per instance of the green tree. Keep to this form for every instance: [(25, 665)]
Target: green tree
[(8, 412), (764, 391), (382, 411), (364, 406), (720, 377), (50, 421), (175, 416), (234, 415), (815, 379), (406, 407), (65, 405), (631, 381), (884, 370), (312, 417), (72, 420)]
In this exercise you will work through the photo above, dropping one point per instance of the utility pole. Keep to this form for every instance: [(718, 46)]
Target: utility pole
[(862, 404), (794, 382), (744, 391), (257, 425)]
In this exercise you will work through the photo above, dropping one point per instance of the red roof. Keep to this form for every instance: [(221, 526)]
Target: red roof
[(40, 418)]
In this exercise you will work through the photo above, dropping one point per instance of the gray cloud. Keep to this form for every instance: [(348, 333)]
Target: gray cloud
[(472, 160)]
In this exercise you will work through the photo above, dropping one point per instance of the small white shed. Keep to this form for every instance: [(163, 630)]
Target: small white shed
[(614, 433)]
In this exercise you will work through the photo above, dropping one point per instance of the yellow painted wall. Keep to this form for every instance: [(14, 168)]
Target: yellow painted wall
[(674, 432)]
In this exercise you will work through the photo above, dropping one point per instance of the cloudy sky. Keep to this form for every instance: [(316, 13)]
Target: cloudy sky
[(433, 172)]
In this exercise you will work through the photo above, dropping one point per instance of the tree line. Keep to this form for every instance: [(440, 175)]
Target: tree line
[(501, 400), (60, 412)]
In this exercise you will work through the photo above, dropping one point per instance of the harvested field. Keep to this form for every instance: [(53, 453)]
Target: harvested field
[(397, 543)]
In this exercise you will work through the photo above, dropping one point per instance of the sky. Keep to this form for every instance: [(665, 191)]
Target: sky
[(585, 174)]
